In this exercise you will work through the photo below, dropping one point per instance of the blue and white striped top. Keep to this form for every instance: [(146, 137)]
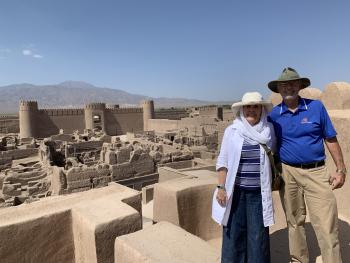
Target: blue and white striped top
[(248, 173)]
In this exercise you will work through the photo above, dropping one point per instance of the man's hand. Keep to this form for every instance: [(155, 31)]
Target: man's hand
[(221, 197), (337, 180)]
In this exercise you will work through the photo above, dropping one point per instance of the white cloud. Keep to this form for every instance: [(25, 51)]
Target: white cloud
[(37, 56), (27, 52), (32, 53)]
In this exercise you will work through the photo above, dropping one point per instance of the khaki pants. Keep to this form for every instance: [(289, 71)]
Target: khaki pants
[(310, 186)]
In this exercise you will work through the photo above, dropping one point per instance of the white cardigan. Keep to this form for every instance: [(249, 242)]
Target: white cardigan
[(229, 157)]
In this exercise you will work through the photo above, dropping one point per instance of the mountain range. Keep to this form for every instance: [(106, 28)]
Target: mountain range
[(75, 94)]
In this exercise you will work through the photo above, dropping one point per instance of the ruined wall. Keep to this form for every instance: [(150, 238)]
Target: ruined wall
[(227, 114), (52, 120), (46, 122), (85, 178), (122, 120), (171, 114), (159, 125), (18, 153), (211, 111), (9, 124)]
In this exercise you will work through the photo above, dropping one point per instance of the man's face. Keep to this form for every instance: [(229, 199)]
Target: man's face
[(289, 89)]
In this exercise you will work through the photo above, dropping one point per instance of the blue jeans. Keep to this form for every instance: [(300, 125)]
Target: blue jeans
[(245, 239)]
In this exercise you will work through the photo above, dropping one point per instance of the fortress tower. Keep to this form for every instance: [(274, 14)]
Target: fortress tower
[(148, 112), (95, 116), (28, 111)]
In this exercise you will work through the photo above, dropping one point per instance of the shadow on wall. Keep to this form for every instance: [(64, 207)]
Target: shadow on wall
[(279, 243)]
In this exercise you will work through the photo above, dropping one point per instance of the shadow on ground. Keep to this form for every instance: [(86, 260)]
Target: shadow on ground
[(279, 243)]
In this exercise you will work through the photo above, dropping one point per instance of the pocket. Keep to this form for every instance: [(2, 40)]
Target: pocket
[(321, 173)]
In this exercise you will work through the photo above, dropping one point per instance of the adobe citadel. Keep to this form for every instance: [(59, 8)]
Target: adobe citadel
[(100, 186)]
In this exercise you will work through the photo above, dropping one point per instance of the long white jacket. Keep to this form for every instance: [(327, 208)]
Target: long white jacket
[(229, 157)]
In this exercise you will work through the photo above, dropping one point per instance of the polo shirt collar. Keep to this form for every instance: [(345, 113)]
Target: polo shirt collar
[(301, 106)]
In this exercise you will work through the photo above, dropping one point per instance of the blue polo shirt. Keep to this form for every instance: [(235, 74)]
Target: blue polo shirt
[(300, 134)]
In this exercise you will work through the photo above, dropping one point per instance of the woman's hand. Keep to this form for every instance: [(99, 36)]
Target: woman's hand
[(221, 197)]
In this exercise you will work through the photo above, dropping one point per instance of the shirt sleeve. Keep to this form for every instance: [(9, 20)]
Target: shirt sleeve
[(327, 127), (222, 161)]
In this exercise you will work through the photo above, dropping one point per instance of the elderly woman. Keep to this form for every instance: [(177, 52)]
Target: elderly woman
[(242, 202)]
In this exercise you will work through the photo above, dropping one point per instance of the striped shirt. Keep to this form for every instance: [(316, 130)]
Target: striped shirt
[(248, 173)]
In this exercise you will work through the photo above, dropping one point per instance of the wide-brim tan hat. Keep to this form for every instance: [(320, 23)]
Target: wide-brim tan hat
[(288, 74), (251, 98)]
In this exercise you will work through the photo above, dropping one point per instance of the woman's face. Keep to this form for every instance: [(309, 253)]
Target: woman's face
[(252, 113)]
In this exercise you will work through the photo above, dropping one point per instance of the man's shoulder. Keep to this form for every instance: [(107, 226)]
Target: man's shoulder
[(275, 112), (315, 104)]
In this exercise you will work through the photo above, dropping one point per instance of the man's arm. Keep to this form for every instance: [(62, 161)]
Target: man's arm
[(338, 178)]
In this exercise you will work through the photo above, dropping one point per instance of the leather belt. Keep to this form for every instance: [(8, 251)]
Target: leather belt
[(308, 165)]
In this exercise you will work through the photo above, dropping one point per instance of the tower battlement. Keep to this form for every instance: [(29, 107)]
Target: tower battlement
[(95, 106), (26, 105)]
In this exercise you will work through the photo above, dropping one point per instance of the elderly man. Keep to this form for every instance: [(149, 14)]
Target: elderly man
[(302, 126)]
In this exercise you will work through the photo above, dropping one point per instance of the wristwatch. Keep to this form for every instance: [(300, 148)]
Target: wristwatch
[(341, 171), (221, 186)]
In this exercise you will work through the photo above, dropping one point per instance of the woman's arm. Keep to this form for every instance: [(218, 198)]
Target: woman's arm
[(221, 167), (221, 195)]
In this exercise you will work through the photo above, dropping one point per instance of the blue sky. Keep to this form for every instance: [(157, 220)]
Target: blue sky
[(203, 49)]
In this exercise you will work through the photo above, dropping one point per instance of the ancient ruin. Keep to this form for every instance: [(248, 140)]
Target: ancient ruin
[(110, 184)]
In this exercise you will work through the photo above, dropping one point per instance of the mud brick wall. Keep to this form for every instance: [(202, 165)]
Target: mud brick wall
[(18, 153), (171, 114), (84, 178), (9, 124)]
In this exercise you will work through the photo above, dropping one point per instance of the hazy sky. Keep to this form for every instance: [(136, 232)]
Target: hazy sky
[(204, 49)]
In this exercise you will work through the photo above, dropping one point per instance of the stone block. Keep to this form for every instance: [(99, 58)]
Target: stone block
[(73, 228), (186, 202), (164, 242), (336, 96)]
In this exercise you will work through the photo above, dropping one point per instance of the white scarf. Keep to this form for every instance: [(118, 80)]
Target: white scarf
[(259, 133)]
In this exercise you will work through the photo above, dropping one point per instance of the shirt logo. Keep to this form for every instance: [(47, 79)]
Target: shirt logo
[(305, 120)]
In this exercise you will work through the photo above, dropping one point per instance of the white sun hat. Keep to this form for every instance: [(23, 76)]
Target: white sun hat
[(251, 98)]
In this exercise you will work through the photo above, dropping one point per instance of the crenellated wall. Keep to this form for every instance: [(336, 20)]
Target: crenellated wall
[(171, 114), (40, 123)]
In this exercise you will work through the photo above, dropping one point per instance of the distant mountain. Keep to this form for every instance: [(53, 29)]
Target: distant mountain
[(74, 94)]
